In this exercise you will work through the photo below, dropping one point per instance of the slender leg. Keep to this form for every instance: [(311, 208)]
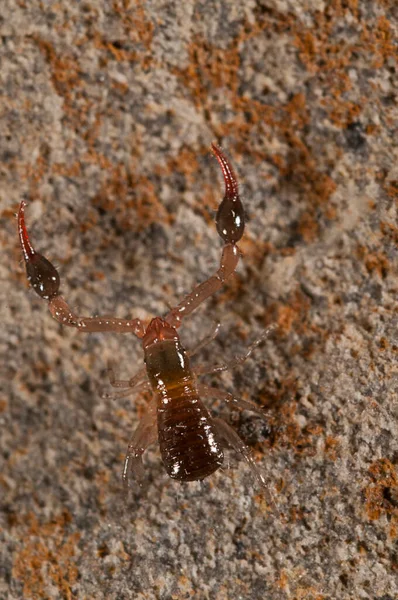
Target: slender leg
[(233, 440), (44, 279), (117, 383), (139, 387), (230, 224), (125, 383), (144, 436), (209, 337), (238, 360), (212, 392), (137, 383)]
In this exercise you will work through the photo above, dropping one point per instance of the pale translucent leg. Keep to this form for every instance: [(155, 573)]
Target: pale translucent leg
[(212, 392), (238, 360), (209, 337), (125, 383), (144, 385), (131, 386), (144, 436), (233, 440)]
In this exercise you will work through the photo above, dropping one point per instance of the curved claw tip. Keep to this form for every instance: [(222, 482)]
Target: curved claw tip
[(230, 179), (27, 248)]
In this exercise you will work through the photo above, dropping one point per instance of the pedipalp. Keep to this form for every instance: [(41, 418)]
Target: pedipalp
[(44, 279), (230, 222)]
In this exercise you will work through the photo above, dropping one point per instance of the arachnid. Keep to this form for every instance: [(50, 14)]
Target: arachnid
[(191, 440)]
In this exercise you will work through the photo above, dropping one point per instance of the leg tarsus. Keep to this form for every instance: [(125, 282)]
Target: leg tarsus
[(233, 440), (137, 383), (209, 337), (238, 360), (144, 385), (137, 379), (117, 383), (212, 392), (144, 435)]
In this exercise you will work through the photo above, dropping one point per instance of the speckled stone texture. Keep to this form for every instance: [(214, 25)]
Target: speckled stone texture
[(107, 112)]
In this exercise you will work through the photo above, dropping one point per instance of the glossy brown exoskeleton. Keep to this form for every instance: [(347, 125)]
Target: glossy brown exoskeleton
[(191, 440)]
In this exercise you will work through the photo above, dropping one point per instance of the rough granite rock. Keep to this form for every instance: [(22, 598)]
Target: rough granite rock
[(107, 113)]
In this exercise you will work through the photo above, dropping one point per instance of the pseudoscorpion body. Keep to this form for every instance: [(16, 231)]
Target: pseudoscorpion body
[(191, 440)]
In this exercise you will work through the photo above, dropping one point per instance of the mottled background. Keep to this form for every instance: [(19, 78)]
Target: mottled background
[(107, 112)]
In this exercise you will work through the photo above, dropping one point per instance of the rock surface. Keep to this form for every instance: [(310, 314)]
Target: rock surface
[(107, 113)]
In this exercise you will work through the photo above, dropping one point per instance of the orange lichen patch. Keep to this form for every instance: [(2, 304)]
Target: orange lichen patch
[(310, 593), (114, 48), (383, 344), (285, 427), (69, 85), (36, 171), (294, 313), (131, 198), (317, 50), (209, 68), (287, 582), (64, 70), (380, 41), (299, 169), (97, 158), (72, 170), (186, 163), (138, 31), (332, 448), (283, 581), (47, 557), (320, 53), (303, 174), (374, 262), (3, 405), (343, 113), (9, 213), (255, 251), (391, 189), (137, 27), (295, 113), (381, 496), (389, 230), (308, 227), (384, 473), (289, 433)]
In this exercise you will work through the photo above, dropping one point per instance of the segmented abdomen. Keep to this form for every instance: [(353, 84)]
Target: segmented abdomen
[(188, 440)]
